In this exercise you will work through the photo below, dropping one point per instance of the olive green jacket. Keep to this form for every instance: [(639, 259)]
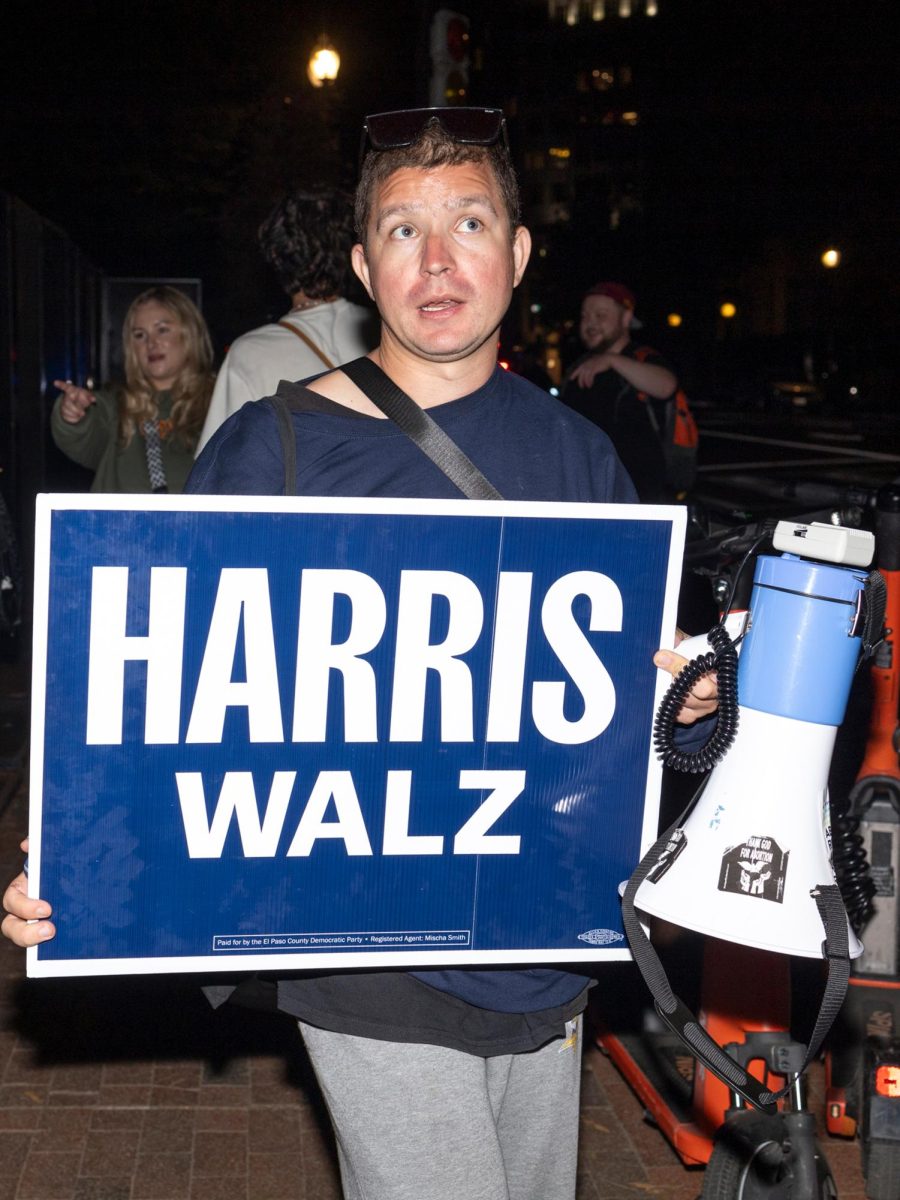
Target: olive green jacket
[(94, 443)]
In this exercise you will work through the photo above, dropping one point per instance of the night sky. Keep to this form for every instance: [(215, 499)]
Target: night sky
[(157, 134)]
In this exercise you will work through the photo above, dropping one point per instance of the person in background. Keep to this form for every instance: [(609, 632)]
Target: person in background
[(622, 387), (140, 437), (306, 239)]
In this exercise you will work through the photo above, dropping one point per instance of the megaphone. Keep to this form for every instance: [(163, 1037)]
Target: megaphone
[(746, 864)]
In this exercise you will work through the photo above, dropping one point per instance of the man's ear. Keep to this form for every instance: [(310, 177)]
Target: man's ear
[(627, 317), (521, 253), (361, 267)]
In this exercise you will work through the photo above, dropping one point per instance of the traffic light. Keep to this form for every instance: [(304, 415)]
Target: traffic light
[(450, 43)]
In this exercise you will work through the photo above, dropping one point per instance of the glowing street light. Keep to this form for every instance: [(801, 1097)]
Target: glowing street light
[(324, 63), (727, 310), (831, 258), (673, 320)]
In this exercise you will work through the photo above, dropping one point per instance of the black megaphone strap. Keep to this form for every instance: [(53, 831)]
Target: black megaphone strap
[(679, 1018)]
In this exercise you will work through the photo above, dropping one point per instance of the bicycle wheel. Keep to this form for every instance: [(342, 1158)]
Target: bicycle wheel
[(732, 1175), (751, 1161)]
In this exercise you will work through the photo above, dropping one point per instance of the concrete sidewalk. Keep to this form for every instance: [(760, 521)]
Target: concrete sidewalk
[(133, 1089)]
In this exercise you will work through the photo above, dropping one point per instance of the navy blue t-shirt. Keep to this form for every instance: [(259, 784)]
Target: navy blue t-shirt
[(530, 447)]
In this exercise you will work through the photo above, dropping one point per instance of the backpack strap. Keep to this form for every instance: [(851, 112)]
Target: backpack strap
[(309, 342), (641, 354), (288, 444)]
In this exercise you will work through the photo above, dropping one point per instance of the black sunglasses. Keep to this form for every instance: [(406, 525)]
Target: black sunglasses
[(469, 126)]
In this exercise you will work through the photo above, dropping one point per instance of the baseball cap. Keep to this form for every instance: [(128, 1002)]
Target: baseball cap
[(620, 293)]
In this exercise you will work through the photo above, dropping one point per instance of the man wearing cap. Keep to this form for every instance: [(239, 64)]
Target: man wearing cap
[(622, 387), (459, 1083)]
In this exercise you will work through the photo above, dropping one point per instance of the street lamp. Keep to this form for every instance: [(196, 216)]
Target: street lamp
[(727, 310), (324, 63), (831, 258)]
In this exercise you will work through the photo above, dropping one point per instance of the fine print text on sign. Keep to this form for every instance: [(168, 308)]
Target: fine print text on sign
[(271, 733)]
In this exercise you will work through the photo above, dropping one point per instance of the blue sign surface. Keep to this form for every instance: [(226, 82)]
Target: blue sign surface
[(273, 733)]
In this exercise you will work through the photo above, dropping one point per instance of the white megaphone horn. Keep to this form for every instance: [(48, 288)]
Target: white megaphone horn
[(746, 864), (752, 862)]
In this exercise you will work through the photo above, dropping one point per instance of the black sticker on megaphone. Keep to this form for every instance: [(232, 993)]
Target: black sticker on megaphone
[(672, 849), (757, 868)]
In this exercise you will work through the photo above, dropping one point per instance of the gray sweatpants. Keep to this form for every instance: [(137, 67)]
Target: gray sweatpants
[(417, 1122)]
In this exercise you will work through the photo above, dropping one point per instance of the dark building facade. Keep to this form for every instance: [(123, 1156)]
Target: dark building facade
[(709, 155)]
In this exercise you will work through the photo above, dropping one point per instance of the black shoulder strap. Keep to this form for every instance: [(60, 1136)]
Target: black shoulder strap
[(288, 444), (417, 425)]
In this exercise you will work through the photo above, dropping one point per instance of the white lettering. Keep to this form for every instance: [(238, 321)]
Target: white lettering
[(472, 837), (243, 595), (572, 709), (237, 796), (317, 655), (397, 838), (111, 648), (577, 656), (349, 826), (416, 655), (504, 720), (260, 834)]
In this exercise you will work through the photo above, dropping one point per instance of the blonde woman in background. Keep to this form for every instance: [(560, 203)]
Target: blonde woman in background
[(141, 437)]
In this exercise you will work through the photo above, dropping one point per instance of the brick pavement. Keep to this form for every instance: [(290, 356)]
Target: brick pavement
[(132, 1089)]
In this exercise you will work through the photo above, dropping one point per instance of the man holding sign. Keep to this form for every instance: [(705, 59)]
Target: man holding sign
[(458, 1082)]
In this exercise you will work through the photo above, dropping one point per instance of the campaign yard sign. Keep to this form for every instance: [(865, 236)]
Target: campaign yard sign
[(278, 733)]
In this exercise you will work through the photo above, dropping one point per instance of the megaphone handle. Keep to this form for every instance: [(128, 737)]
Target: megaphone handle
[(723, 659), (679, 1018)]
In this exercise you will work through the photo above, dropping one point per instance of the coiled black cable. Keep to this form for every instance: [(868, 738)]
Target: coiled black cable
[(723, 660), (851, 867)]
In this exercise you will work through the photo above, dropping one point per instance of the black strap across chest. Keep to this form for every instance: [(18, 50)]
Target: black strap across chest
[(407, 416)]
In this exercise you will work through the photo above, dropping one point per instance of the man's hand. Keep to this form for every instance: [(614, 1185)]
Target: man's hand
[(702, 699), (586, 372), (648, 378), (25, 923)]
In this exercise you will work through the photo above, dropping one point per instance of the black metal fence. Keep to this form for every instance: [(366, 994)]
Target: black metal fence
[(60, 318), (49, 329)]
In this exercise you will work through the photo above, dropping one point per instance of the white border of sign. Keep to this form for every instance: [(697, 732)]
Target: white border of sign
[(47, 504)]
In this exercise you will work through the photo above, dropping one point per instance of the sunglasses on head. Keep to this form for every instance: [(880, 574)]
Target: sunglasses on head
[(469, 126)]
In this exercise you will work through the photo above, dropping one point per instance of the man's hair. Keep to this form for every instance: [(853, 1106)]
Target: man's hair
[(434, 148), (307, 238)]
